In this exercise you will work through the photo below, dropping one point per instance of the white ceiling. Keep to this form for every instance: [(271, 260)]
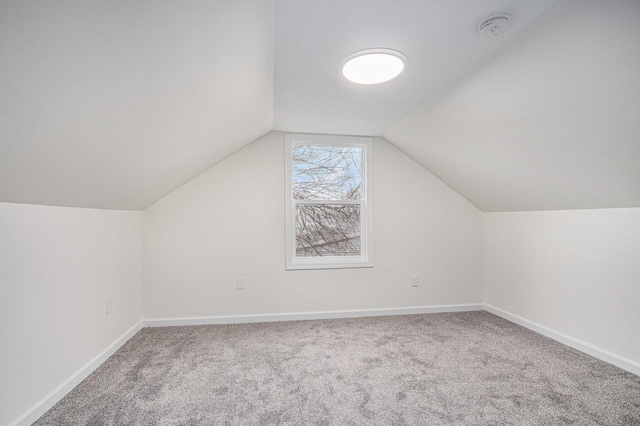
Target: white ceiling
[(552, 122), (440, 39), (113, 105)]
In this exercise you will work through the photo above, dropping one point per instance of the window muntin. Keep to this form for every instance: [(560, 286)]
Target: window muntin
[(328, 202)]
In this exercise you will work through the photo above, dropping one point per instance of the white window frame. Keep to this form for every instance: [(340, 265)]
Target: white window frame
[(365, 260)]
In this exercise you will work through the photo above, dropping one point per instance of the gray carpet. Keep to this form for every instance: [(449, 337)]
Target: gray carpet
[(468, 368)]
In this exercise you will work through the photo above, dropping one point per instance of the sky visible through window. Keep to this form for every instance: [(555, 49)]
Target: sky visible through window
[(331, 174), (326, 172)]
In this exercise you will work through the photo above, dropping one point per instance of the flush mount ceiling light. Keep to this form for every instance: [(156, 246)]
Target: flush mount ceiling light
[(373, 66)]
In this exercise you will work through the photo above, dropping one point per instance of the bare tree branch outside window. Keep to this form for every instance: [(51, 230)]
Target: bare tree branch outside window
[(328, 177)]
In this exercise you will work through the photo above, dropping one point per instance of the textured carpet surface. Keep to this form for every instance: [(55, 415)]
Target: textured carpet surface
[(469, 368)]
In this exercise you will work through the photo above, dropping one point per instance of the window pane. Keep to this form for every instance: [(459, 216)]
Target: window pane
[(327, 230), (326, 172)]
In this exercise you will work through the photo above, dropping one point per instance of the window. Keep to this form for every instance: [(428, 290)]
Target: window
[(328, 211)]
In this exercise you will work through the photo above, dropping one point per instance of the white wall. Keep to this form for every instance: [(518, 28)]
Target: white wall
[(57, 267), (576, 272), (229, 222)]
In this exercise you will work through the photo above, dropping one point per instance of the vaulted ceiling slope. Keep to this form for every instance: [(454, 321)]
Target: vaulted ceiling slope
[(108, 104), (551, 122), (440, 39), (111, 104)]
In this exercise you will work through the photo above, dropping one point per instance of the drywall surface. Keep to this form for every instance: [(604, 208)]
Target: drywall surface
[(57, 268), (229, 222), (113, 105), (551, 122), (574, 271)]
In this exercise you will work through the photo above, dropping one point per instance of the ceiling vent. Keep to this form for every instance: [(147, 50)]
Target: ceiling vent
[(494, 25)]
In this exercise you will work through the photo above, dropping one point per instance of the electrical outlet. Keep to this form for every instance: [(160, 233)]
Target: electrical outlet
[(414, 281), (109, 305), (240, 283)]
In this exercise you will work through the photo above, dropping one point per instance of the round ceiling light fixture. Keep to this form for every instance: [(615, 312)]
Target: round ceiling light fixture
[(373, 66)]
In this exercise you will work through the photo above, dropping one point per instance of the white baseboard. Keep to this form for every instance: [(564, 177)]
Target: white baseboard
[(299, 316), (42, 406), (593, 350), (59, 392)]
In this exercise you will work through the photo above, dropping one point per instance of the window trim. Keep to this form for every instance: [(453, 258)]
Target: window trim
[(365, 260)]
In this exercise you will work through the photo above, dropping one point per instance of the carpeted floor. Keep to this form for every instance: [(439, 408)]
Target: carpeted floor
[(469, 368)]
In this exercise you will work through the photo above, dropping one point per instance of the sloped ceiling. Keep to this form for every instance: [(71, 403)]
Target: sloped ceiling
[(114, 104), (552, 122), (440, 39)]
